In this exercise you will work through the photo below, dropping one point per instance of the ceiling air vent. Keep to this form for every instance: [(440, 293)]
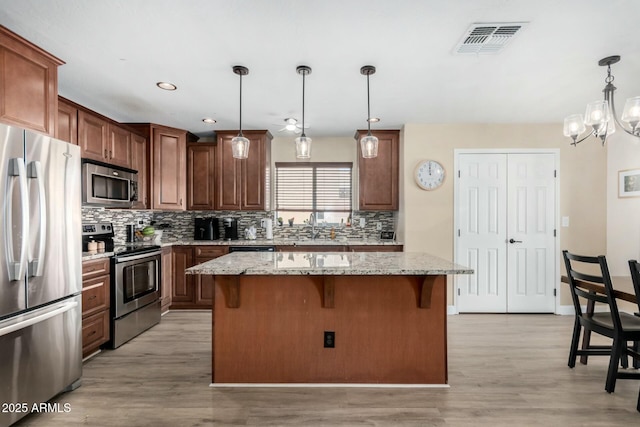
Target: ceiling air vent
[(486, 38)]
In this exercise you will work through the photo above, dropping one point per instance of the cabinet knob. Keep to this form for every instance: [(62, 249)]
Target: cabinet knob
[(105, 154)]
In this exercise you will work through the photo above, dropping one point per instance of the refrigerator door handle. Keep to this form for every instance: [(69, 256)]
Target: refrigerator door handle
[(16, 269), (36, 265), (36, 316)]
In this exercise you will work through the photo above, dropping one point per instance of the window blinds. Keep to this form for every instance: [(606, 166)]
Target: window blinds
[(314, 187)]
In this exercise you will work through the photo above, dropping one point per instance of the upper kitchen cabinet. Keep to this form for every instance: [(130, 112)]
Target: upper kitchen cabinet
[(103, 141), (167, 171), (28, 84), (242, 184), (67, 121), (140, 162), (93, 134), (378, 177), (200, 176), (119, 146)]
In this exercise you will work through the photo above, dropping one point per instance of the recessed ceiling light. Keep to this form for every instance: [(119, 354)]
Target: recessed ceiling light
[(209, 121), (373, 120), (166, 86)]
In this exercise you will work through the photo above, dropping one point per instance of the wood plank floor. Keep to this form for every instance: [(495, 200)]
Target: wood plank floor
[(504, 370)]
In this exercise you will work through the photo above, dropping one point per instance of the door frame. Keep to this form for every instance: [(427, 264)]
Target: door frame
[(456, 216)]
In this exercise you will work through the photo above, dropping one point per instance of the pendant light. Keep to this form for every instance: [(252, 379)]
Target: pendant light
[(303, 143), (369, 143), (240, 144)]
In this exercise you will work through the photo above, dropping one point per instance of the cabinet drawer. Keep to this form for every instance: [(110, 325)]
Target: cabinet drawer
[(375, 248), (95, 295), (97, 267), (211, 252), (95, 331)]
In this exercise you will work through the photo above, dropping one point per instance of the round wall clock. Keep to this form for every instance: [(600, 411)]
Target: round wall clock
[(429, 174)]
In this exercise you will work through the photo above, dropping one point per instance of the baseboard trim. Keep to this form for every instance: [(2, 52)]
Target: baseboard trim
[(451, 309), (566, 310), (325, 385)]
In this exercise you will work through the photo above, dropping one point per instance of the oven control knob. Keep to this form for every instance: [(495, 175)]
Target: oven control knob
[(103, 227), (108, 228)]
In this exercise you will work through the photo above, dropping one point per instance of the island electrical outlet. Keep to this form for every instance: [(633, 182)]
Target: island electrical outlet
[(329, 339)]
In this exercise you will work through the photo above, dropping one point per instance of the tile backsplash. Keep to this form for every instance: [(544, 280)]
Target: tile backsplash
[(180, 224)]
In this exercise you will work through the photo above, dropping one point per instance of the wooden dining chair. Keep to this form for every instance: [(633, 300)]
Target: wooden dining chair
[(634, 266), (626, 328), (592, 320)]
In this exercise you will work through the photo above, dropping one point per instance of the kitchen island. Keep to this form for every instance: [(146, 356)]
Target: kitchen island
[(329, 317)]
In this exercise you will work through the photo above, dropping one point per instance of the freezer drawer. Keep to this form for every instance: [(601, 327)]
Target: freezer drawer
[(40, 355)]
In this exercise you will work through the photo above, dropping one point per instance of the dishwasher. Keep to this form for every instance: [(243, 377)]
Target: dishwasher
[(252, 248)]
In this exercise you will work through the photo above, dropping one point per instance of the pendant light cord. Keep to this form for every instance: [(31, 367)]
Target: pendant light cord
[(240, 134), (303, 76), (368, 109)]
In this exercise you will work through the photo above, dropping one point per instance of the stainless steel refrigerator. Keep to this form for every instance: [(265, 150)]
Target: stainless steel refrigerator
[(40, 270)]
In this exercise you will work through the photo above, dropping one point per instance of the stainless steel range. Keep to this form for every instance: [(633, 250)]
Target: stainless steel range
[(135, 284)]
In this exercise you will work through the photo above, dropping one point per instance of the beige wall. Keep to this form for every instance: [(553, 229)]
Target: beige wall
[(339, 149), (426, 217), (623, 214)]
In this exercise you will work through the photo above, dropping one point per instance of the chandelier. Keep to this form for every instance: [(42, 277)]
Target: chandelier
[(601, 115)]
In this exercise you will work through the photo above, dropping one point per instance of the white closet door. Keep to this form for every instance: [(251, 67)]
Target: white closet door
[(506, 222), (482, 209), (531, 241)]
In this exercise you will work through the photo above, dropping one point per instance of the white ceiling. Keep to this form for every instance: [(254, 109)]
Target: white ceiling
[(116, 50)]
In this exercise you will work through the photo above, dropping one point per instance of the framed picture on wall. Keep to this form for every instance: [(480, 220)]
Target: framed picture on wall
[(629, 183)]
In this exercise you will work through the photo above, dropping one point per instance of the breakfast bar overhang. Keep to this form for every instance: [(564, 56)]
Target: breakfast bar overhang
[(329, 317)]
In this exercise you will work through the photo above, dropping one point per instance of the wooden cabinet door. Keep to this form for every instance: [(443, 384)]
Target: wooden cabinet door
[(168, 148), (167, 279), (204, 288), (67, 122), (204, 284), (241, 184), (140, 162), (93, 133), (378, 177), (200, 176), (182, 290), (119, 146), (29, 84), (255, 171), (227, 172)]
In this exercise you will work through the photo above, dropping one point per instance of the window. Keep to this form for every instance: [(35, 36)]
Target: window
[(323, 189)]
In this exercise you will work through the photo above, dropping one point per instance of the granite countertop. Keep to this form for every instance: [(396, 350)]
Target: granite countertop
[(285, 242), (87, 256), (329, 263)]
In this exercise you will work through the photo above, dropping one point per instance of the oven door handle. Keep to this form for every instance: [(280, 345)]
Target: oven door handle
[(127, 258)]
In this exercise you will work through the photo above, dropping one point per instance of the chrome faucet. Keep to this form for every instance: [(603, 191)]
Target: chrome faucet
[(313, 222)]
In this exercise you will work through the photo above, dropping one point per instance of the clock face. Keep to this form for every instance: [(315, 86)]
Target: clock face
[(429, 174)]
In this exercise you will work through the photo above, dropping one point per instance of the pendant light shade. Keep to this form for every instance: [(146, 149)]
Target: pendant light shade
[(368, 143), (240, 144), (303, 143)]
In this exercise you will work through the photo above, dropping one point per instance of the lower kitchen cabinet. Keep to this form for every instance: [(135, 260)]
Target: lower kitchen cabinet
[(188, 291), (167, 278), (96, 282), (374, 248)]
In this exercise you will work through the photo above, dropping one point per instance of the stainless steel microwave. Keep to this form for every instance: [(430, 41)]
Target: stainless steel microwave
[(108, 185)]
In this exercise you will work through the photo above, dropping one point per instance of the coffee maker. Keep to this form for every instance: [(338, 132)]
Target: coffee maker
[(206, 229), (230, 228)]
